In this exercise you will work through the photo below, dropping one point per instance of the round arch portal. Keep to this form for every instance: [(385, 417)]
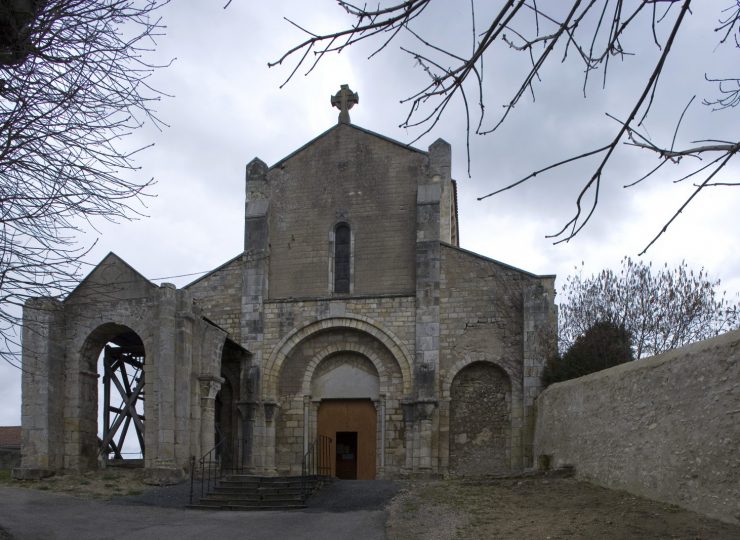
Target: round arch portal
[(116, 354), (274, 365)]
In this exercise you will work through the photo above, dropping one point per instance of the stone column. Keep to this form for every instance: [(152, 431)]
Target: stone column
[(409, 429), (271, 410), (425, 410), (380, 408), (307, 439), (209, 387), (443, 415), (251, 437), (42, 413)]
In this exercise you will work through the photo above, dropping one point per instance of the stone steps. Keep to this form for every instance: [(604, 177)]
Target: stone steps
[(247, 492)]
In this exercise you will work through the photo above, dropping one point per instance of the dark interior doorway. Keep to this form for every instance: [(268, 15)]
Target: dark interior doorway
[(346, 465)]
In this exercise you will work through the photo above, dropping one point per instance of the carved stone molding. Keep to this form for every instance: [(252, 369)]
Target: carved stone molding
[(209, 386)]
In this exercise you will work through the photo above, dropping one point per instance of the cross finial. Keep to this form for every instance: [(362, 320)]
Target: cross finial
[(344, 100)]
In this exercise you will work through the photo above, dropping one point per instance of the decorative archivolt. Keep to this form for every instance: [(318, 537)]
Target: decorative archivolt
[(274, 364)]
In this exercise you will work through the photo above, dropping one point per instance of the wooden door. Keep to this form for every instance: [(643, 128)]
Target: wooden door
[(351, 424)]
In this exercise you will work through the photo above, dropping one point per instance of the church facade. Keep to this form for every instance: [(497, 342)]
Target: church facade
[(352, 316)]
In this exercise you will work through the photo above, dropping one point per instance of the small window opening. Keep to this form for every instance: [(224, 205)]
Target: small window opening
[(342, 248)]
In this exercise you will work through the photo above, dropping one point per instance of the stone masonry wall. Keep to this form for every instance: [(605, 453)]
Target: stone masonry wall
[(667, 427), (344, 175), (393, 313), (481, 316), (480, 426), (481, 320), (219, 296)]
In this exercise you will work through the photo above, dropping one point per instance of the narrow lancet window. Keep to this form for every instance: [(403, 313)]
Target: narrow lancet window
[(342, 252)]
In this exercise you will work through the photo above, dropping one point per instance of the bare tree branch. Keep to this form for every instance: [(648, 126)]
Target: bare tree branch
[(595, 31), (74, 84)]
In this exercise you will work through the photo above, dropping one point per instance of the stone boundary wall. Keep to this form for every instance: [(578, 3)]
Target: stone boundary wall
[(666, 428)]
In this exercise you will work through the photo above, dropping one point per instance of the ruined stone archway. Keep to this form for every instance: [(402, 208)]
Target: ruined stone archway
[(480, 420), (111, 386)]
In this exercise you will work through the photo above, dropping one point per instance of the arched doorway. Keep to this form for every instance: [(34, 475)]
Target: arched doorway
[(480, 420), (116, 353), (347, 385)]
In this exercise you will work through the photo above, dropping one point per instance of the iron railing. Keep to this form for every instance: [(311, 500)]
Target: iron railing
[(316, 463), (221, 460)]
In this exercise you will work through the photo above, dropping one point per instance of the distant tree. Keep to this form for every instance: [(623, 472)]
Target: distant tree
[(596, 34), (662, 309), (602, 346), (73, 84)]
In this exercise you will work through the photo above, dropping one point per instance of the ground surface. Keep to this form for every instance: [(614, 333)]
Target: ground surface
[(523, 508), (539, 507)]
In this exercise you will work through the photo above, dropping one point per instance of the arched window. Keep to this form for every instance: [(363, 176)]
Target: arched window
[(342, 255)]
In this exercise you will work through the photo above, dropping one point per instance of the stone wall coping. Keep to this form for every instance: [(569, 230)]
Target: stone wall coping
[(494, 261)]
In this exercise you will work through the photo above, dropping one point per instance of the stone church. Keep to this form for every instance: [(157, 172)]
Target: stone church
[(352, 315)]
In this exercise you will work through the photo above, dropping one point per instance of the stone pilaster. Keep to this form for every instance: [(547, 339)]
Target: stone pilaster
[(256, 251), (255, 283), (164, 456), (540, 341), (42, 414), (185, 322), (428, 271)]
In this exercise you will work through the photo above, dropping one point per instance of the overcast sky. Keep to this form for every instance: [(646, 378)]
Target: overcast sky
[(227, 108)]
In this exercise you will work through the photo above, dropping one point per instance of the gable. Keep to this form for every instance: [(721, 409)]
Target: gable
[(359, 131), (353, 176), (112, 279)]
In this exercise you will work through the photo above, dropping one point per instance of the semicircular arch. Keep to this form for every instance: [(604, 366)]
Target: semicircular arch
[(464, 362), (361, 324), (337, 348)]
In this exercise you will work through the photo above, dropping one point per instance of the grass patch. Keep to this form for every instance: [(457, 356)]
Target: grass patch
[(410, 506), (5, 476)]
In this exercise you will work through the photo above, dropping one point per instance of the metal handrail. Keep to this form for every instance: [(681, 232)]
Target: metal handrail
[(316, 462), (210, 469)]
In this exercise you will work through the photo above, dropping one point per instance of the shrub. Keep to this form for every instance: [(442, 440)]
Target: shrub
[(603, 345)]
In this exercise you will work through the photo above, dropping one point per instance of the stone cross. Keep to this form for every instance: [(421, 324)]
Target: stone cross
[(344, 100)]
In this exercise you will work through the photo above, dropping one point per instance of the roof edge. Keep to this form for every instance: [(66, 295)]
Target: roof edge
[(353, 126), (211, 272), (90, 273), (497, 262)]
